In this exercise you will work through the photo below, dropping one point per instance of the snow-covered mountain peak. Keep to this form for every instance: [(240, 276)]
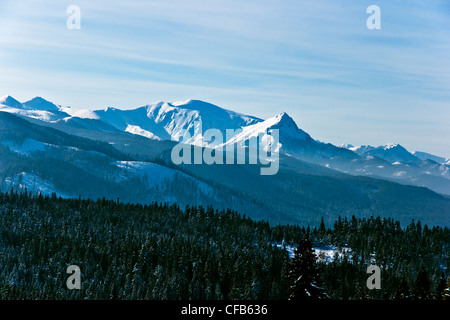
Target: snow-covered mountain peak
[(283, 120), (290, 136), (284, 123), (39, 103), (36, 108), (346, 146), (158, 108), (360, 149), (202, 107), (391, 152), (392, 146), (197, 105), (10, 102)]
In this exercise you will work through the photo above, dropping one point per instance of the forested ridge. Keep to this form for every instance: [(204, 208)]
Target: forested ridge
[(161, 251)]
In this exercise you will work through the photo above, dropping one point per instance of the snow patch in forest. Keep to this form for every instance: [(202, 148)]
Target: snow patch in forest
[(326, 253), (34, 184), (155, 175), (27, 147)]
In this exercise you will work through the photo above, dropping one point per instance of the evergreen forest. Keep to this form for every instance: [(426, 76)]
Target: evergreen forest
[(163, 252)]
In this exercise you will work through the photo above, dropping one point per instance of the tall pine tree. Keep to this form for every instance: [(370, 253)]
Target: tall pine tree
[(304, 274), (423, 285)]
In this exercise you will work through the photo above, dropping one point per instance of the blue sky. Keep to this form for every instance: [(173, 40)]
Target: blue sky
[(316, 60)]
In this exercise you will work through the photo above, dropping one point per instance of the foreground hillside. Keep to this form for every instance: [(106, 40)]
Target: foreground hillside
[(163, 252)]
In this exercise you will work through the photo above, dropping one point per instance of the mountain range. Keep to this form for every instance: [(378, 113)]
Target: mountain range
[(126, 153)]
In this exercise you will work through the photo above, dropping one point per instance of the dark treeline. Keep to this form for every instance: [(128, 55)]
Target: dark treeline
[(157, 251)]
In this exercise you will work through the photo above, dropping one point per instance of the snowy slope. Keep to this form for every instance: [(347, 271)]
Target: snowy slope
[(290, 136), (141, 132), (27, 147), (173, 121), (154, 174), (35, 184)]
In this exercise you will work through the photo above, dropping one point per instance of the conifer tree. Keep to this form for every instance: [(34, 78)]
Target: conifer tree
[(403, 291), (423, 284), (304, 275), (441, 287)]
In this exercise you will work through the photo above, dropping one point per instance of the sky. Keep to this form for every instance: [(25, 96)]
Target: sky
[(316, 60)]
